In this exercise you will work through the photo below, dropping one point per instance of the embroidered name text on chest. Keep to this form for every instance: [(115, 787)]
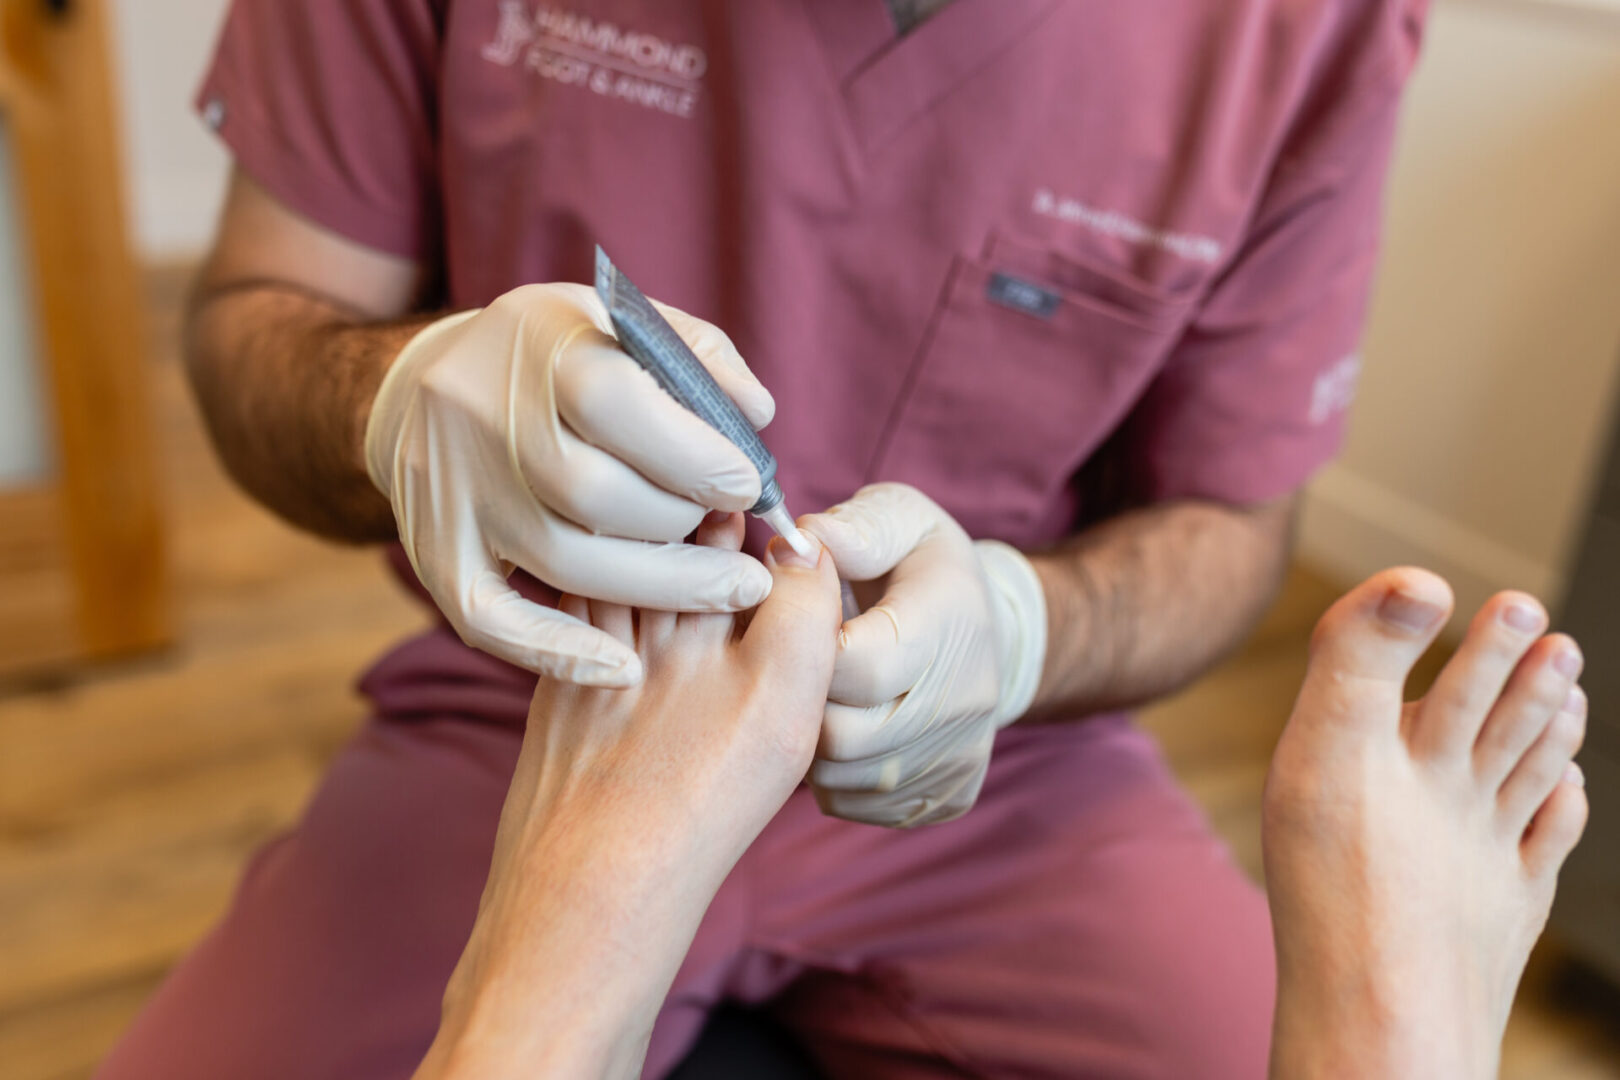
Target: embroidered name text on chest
[(616, 62)]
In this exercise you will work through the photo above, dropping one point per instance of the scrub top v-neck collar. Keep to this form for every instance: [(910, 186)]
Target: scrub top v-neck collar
[(910, 14), (886, 78)]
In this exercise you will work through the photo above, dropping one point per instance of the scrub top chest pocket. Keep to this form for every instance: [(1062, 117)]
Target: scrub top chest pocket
[(1030, 361)]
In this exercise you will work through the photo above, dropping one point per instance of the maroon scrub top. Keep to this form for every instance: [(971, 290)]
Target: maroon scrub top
[(1031, 253)]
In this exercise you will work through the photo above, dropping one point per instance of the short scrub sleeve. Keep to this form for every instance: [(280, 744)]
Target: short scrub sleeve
[(1254, 397), (331, 106)]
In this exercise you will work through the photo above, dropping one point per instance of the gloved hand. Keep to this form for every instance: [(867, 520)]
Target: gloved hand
[(951, 653), (521, 436)]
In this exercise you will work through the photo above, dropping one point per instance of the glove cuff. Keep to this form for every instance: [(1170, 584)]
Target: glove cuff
[(1020, 611), (394, 395)]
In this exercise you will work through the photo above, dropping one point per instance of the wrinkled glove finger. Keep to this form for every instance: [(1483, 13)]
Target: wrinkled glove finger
[(668, 577), (889, 647), (907, 771), (912, 812), (467, 580), (596, 490), (615, 405), (869, 533), (885, 650), (863, 738), (615, 620), (941, 794), (724, 532), (491, 615), (714, 349)]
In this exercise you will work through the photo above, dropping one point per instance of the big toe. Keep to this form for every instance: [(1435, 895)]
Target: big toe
[(1365, 646)]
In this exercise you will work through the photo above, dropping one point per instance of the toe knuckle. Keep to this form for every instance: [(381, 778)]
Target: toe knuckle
[(1455, 699), (1334, 623)]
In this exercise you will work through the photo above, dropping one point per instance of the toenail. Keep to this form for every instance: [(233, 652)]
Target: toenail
[(1574, 775), (1575, 701), (1523, 618), (1567, 663), (1409, 612)]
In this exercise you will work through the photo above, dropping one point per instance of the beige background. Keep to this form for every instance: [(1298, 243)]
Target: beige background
[(1492, 349)]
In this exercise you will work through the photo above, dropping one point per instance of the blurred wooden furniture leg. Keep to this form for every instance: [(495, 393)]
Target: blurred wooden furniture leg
[(99, 511)]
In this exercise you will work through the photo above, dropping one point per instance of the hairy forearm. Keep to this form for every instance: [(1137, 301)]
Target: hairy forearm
[(285, 380), (1143, 604)]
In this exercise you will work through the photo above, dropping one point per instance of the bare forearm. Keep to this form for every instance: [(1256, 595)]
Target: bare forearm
[(1143, 604), (285, 380), (594, 899), (566, 978)]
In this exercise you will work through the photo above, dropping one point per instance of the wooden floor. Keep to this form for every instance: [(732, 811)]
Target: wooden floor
[(131, 795)]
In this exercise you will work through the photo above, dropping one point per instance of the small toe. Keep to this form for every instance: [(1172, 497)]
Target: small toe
[(721, 530), (655, 629), (1543, 683), (614, 619), (1557, 826), (725, 531), (575, 606), (1540, 770), (1454, 710), (1365, 646)]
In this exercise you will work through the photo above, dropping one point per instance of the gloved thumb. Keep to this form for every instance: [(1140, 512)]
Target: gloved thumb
[(714, 349), (869, 533)]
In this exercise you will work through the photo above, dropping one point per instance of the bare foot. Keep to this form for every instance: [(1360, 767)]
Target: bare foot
[(1412, 850)]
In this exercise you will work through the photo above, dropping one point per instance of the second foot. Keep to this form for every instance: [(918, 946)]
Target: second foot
[(1412, 849)]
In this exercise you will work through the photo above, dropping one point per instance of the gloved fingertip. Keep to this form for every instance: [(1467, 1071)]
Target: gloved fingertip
[(829, 531), (592, 659), (618, 674), (731, 494), (760, 409), (751, 588)]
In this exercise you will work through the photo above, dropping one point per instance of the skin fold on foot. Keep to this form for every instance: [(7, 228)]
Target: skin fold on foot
[(1412, 849)]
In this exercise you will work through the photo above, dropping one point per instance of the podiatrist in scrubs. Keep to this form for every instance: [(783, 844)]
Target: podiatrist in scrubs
[(1054, 304)]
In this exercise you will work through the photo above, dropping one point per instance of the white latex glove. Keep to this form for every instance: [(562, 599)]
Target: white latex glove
[(951, 653), (521, 436)]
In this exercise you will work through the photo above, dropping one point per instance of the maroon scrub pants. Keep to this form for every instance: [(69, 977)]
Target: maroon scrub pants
[(1082, 921)]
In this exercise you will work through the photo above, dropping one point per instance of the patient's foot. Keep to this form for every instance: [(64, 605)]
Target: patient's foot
[(1412, 851)]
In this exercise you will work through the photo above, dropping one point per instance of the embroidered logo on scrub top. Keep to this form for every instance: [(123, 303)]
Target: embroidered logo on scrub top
[(615, 62), (1201, 249), (1335, 389)]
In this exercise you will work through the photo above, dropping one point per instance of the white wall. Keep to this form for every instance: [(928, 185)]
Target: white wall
[(24, 448), (176, 170), (1494, 342), (174, 177)]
